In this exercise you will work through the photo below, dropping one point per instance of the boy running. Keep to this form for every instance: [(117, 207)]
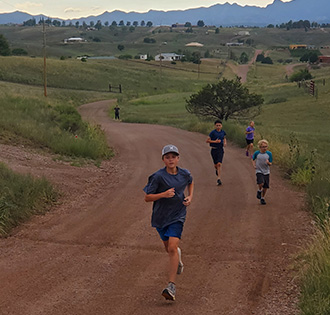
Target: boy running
[(217, 141), (262, 159), (249, 137), (166, 189)]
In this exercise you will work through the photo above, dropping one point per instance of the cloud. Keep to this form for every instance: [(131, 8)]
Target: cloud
[(27, 6), (72, 10), (95, 8)]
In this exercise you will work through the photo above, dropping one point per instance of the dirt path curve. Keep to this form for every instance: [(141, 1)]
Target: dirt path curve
[(97, 254), (242, 70)]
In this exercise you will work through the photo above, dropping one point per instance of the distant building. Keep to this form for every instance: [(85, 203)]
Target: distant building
[(243, 33), (234, 44), (194, 44), (143, 57), (293, 47), (74, 40), (168, 57), (324, 59), (178, 25)]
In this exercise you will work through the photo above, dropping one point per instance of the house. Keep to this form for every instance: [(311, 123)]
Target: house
[(293, 47), (243, 33), (168, 57), (234, 44), (74, 40), (178, 25), (324, 59), (143, 57), (194, 44)]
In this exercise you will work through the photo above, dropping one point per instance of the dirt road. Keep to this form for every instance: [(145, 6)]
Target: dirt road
[(96, 253), (242, 70)]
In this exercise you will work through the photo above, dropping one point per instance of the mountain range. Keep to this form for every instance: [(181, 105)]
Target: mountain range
[(218, 15)]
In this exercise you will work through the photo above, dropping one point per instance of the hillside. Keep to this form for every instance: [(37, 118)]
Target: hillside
[(105, 42)]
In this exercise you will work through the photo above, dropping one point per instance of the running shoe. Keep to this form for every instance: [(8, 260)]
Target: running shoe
[(180, 266), (259, 194), (219, 182), (262, 201), (169, 292), (247, 153)]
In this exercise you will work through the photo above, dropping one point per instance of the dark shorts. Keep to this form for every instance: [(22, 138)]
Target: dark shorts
[(249, 141), (172, 230), (217, 155), (263, 179)]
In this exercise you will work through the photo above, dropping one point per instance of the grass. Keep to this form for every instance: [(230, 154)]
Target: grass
[(41, 123), (22, 196)]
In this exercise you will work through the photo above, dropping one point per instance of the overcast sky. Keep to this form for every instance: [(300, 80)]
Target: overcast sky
[(67, 9)]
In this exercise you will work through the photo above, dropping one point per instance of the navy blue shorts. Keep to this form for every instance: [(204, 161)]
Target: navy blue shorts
[(263, 179), (173, 230), (217, 155)]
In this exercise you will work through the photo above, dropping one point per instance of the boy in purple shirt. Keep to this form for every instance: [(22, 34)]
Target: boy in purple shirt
[(249, 132), (165, 188)]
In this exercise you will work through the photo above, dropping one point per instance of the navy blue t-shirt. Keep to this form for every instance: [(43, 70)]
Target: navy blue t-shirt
[(166, 211), (214, 135)]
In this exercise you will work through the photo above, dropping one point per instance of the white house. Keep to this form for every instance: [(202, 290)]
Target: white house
[(234, 44), (143, 57), (74, 40), (243, 33), (168, 57)]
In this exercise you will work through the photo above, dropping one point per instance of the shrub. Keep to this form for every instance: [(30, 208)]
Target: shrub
[(19, 52), (301, 75), (267, 60), (125, 57)]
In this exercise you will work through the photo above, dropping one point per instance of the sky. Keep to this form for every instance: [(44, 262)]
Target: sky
[(68, 9)]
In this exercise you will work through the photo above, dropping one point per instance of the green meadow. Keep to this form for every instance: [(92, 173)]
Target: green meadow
[(295, 123)]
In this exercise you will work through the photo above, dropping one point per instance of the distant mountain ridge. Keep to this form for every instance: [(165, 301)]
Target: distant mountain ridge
[(219, 14)]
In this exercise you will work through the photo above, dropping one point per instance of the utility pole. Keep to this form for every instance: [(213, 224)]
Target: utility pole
[(44, 53)]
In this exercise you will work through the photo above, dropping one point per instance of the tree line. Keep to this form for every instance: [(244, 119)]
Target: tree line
[(305, 24), (98, 25)]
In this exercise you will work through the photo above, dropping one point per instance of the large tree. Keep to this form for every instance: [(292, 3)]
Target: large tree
[(222, 100), (4, 46)]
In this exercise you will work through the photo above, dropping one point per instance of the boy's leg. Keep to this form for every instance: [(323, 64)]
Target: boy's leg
[(218, 168), (251, 149), (172, 250)]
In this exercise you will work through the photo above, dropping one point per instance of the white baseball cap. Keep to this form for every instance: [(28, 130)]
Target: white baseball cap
[(170, 148)]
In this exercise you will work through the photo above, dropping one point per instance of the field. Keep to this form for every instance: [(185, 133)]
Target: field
[(295, 122)]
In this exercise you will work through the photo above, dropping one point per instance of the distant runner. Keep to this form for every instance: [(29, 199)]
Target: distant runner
[(116, 109), (166, 189), (217, 141)]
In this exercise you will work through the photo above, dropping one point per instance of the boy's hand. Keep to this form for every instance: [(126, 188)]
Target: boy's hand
[(217, 141), (187, 201), (169, 193)]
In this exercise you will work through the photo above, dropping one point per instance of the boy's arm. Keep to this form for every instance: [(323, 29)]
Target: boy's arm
[(224, 141), (187, 201), (208, 140), (270, 160), (154, 197)]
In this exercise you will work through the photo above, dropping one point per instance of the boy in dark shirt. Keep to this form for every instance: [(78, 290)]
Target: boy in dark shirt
[(165, 188), (217, 141)]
